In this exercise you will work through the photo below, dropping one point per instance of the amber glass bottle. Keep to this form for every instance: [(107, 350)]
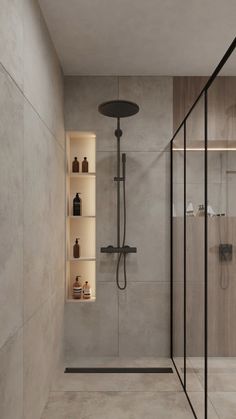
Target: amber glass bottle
[(85, 165), (86, 291), (76, 249), (75, 166), (77, 205), (77, 288)]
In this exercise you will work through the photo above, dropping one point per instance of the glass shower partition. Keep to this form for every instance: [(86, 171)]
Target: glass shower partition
[(178, 254), (203, 245)]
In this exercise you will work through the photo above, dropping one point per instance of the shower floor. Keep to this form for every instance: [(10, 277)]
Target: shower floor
[(221, 385), (115, 395)]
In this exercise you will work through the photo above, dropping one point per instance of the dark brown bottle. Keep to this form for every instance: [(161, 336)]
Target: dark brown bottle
[(76, 249), (85, 165), (77, 204), (75, 166)]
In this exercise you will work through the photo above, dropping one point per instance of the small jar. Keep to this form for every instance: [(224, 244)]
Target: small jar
[(86, 291)]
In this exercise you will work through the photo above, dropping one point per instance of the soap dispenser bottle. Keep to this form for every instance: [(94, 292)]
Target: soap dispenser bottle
[(86, 291), (77, 288), (85, 165), (201, 211), (77, 205), (75, 165), (76, 249)]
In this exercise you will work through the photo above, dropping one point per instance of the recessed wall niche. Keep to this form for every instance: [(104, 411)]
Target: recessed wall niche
[(83, 227)]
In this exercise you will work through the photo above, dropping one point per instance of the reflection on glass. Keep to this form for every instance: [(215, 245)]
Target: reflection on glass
[(222, 239), (195, 195)]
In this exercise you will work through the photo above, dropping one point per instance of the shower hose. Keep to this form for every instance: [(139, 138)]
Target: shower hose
[(122, 287)]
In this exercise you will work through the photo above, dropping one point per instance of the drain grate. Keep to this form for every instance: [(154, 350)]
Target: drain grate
[(107, 370)]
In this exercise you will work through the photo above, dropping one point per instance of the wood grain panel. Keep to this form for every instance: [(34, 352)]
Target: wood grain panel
[(222, 288)]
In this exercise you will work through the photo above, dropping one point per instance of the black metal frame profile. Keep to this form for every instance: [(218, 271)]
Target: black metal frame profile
[(203, 95)]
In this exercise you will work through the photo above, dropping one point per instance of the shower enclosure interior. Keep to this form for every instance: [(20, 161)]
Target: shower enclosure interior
[(203, 244)]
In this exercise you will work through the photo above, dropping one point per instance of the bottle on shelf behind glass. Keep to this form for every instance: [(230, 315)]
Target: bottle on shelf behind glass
[(75, 165), (77, 288), (201, 210), (76, 249), (85, 165), (87, 291), (77, 205)]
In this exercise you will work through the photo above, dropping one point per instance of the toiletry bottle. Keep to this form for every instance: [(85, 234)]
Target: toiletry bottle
[(75, 165), (76, 249), (201, 211), (77, 288), (85, 165), (77, 204), (86, 291), (190, 210)]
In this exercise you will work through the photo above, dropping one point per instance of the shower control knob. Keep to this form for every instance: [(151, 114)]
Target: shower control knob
[(118, 133)]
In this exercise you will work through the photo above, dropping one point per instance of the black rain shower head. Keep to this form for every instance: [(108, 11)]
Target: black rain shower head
[(118, 108)]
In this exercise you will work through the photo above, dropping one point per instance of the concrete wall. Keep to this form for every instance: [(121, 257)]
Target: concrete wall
[(134, 322), (31, 210)]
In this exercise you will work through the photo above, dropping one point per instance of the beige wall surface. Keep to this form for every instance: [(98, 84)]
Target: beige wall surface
[(31, 210), (134, 322)]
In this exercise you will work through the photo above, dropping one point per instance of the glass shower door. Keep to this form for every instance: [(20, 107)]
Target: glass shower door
[(178, 253)]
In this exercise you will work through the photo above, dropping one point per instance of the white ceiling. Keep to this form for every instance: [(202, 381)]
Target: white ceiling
[(141, 37)]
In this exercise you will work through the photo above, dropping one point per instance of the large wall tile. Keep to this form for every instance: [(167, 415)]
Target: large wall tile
[(106, 214), (151, 128), (44, 201), (11, 378), (147, 196), (11, 207), (143, 320), (56, 183), (57, 331), (37, 210), (43, 84), (11, 38), (92, 328), (37, 361), (82, 97)]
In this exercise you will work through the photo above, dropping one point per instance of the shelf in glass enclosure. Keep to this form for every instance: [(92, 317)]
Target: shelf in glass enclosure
[(212, 145), (82, 259)]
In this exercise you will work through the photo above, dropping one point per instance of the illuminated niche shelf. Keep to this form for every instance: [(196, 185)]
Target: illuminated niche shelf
[(80, 145)]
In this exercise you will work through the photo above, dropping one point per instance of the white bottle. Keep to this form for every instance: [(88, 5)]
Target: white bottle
[(190, 210), (86, 291)]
